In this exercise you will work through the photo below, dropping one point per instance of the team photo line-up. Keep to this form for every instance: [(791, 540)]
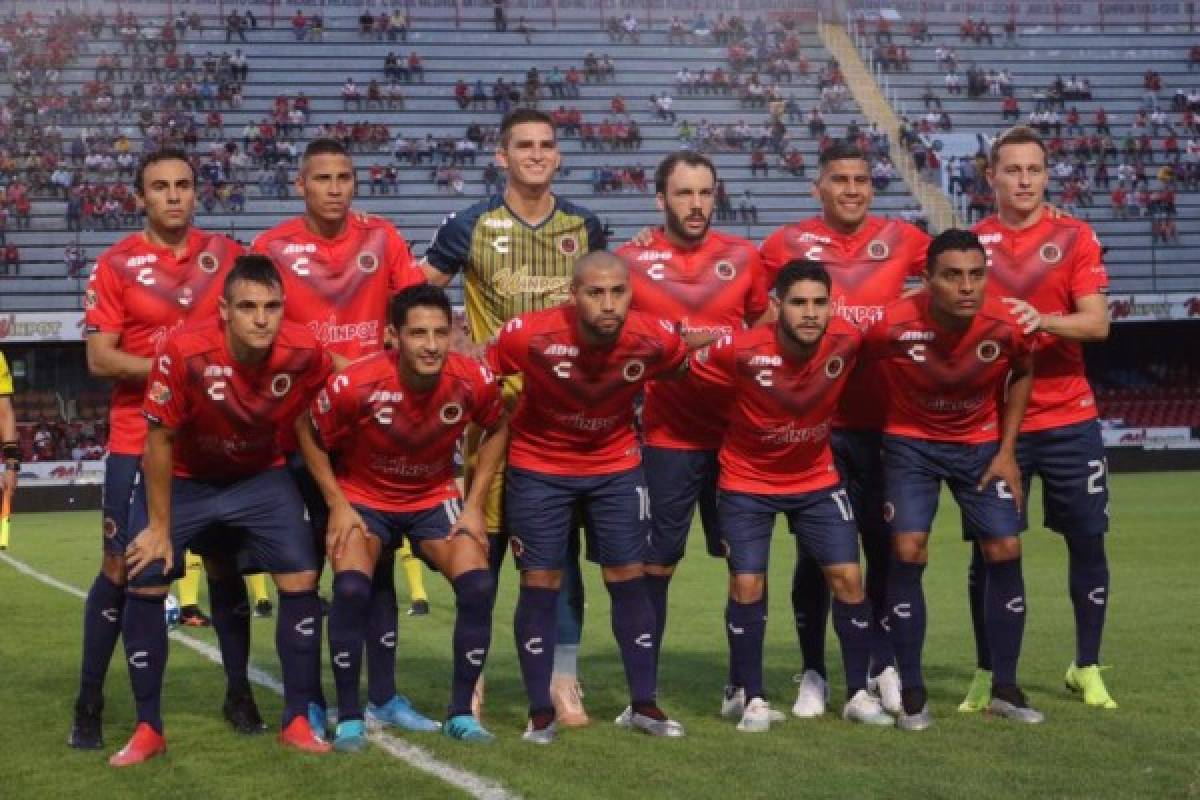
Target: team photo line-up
[(302, 401)]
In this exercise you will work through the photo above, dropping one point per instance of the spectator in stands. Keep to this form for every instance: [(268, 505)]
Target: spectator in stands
[(663, 104), (462, 94), (12, 260), (930, 99), (1118, 197), (499, 19), (1164, 229), (351, 95), (792, 160), (492, 182), (415, 67), (299, 25), (758, 160), (398, 27), (629, 28), (235, 25), (525, 30), (748, 210)]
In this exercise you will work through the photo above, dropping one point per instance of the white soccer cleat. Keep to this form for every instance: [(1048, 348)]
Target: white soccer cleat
[(733, 702), (887, 685), (756, 718), (625, 718), (866, 709), (813, 695)]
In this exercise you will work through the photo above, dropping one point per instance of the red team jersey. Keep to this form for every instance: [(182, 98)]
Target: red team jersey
[(340, 287), (227, 417), (869, 269), (142, 292), (394, 446), (1050, 266), (944, 385), (575, 416), (777, 441), (714, 289)]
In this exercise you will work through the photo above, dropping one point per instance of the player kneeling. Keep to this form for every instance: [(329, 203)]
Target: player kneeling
[(217, 399), (786, 381), (949, 354), (390, 422)]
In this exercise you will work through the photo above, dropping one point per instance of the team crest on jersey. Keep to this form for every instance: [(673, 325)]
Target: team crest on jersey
[(1050, 253), (568, 245), (208, 262), (323, 402), (281, 384), (725, 270), (185, 296), (109, 527), (988, 351), (367, 261), (451, 413), (634, 370), (834, 367), (878, 250), (159, 393)]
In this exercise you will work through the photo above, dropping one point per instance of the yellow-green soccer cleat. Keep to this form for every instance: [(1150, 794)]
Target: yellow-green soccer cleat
[(979, 695), (1087, 681)]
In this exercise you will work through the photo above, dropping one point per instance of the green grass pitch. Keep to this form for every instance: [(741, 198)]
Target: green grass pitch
[(1149, 748)]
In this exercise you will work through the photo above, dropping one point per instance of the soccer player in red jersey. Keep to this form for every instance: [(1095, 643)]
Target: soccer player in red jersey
[(143, 287), (870, 259), (340, 269), (949, 357), (391, 422), (573, 445), (711, 284), (786, 380), (216, 400), (1051, 270)]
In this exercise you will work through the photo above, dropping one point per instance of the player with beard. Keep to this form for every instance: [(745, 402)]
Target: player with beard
[(785, 380), (710, 284), (143, 287), (340, 268)]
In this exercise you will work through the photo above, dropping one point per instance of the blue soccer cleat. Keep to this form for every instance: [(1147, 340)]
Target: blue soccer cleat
[(351, 736), (399, 713), (465, 728)]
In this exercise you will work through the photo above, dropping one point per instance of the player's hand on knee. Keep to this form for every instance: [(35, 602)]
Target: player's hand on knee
[(471, 523), (344, 524), (1003, 468), (1028, 317), (147, 547)]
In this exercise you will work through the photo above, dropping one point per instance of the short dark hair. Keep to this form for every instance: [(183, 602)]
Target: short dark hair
[(157, 157), (1018, 134), (841, 151), (423, 295), (688, 158), (325, 147), (252, 268), (519, 117), (800, 270), (952, 240)]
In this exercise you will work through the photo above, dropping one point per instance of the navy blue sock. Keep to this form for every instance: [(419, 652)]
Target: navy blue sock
[(101, 627), (347, 623), (569, 613), (810, 607), (633, 627), (852, 623), (144, 629), (877, 552), (536, 635), (231, 622), (473, 594), (1004, 613), (746, 627), (657, 586), (1088, 579), (381, 632), (906, 614), (976, 582), (298, 643)]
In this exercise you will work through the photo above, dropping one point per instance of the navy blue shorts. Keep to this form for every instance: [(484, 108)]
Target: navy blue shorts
[(858, 455), (540, 508), (822, 522), (678, 481), (1074, 472), (310, 494), (391, 527), (122, 485), (914, 470), (262, 515)]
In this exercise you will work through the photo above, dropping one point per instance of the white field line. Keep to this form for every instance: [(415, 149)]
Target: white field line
[(416, 757)]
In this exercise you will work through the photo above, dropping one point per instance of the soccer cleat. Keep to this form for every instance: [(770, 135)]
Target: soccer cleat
[(919, 721), (299, 734), (979, 694), (866, 709), (625, 718), (351, 736), (733, 702), (466, 728), (655, 724), (241, 712), (263, 609), (87, 727), (193, 617), (1010, 703), (756, 717), (399, 713), (419, 608), (145, 744), (318, 720), (887, 685), (567, 696), (544, 735), (1087, 681), (812, 696)]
